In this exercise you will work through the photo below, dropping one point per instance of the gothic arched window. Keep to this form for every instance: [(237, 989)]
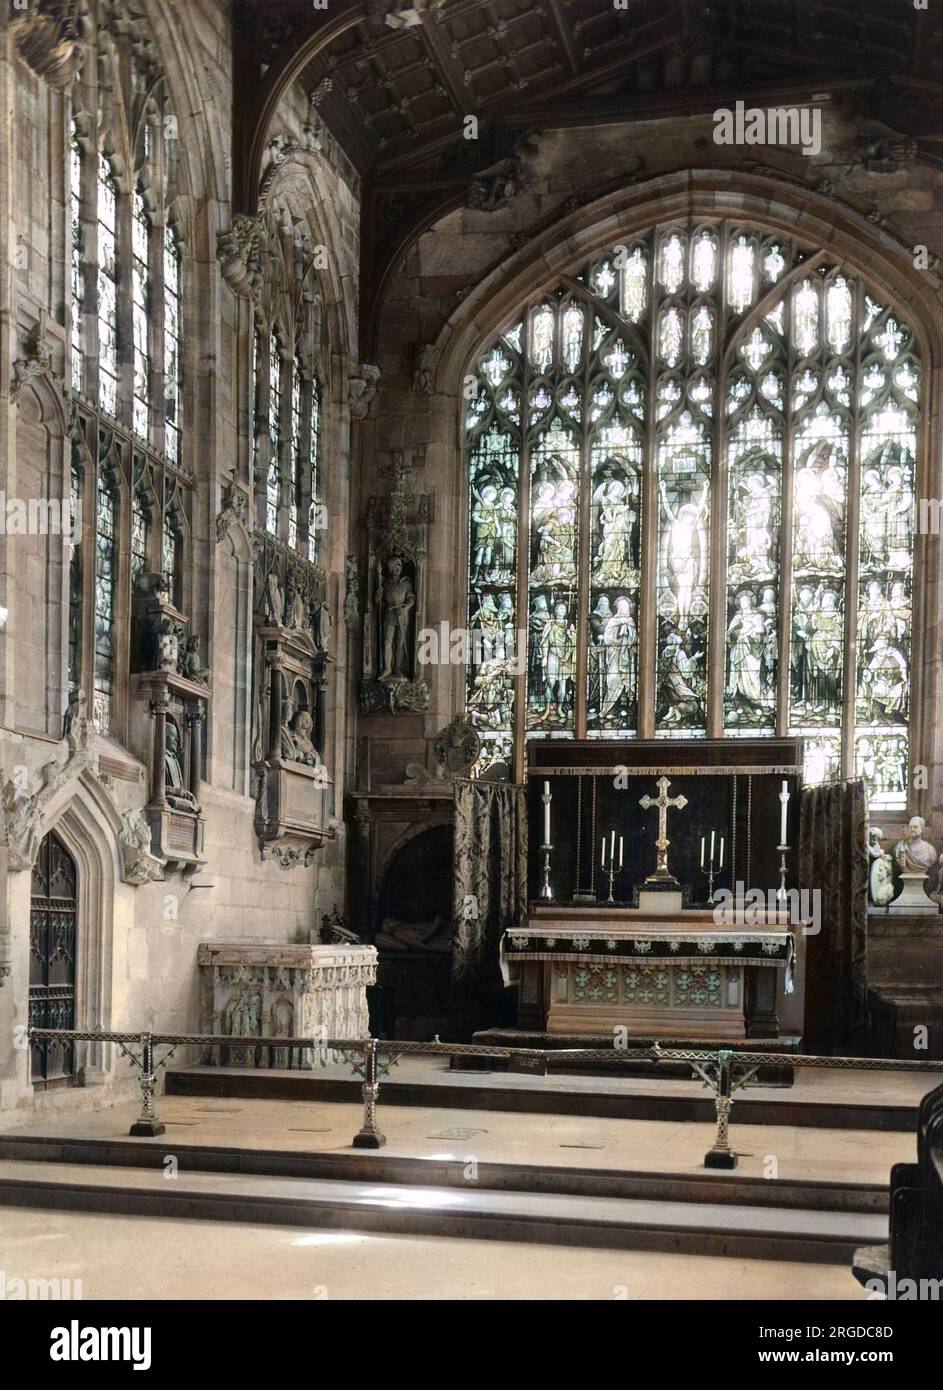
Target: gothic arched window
[(126, 339), (288, 400), (692, 495)]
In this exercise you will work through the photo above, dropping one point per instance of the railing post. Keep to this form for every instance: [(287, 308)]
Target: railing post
[(147, 1125), (370, 1136), (721, 1155)]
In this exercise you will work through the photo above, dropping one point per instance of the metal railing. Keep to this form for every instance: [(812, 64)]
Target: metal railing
[(722, 1070)]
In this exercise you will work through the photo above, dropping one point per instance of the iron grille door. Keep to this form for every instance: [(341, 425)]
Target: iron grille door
[(52, 961)]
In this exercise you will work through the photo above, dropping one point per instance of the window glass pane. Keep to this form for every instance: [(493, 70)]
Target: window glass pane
[(107, 289)]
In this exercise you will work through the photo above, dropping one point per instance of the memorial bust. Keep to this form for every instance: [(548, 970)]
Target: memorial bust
[(914, 854)]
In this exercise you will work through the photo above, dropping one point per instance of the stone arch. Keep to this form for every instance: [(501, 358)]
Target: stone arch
[(792, 210)]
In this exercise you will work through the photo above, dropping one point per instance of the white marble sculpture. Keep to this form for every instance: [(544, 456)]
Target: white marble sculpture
[(915, 857)]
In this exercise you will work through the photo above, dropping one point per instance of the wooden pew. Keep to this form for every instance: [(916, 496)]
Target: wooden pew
[(915, 1250)]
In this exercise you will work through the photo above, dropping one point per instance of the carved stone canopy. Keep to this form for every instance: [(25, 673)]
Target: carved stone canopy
[(49, 39)]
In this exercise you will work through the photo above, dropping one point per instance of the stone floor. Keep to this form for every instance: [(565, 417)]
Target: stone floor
[(493, 1135), (137, 1257)]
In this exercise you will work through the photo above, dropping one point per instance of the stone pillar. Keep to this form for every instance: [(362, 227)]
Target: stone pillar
[(158, 769), (195, 721)]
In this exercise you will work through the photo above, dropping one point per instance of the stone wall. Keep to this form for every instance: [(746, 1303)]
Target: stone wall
[(138, 969)]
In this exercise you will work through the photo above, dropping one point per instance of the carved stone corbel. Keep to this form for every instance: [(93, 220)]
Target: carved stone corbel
[(138, 864), (238, 252), (50, 41), (234, 511), (362, 390), (23, 810)]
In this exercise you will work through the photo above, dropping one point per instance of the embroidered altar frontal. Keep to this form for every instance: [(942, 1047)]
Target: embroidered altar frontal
[(679, 979)]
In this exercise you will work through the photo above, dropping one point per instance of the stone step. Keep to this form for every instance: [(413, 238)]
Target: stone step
[(693, 1227), (561, 1094), (718, 1188)]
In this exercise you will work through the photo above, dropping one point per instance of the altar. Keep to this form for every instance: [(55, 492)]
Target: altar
[(584, 972), (662, 892)]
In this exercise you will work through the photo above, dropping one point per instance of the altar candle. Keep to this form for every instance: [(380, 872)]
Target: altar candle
[(712, 846), (702, 851), (620, 851), (784, 801), (721, 864), (546, 813), (612, 849), (602, 857)]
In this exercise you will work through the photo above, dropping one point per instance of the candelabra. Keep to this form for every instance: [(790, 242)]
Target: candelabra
[(611, 871), (546, 892), (782, 894), (711, 873)]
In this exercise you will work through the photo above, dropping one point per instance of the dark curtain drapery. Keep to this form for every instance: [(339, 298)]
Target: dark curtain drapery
[(490, 884), (833, 861)]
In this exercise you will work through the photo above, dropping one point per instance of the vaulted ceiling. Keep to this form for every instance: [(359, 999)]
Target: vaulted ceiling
[(395, 81)]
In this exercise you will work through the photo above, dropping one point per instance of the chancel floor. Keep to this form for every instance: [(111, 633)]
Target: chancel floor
[(147, 1258), (501, 1204)]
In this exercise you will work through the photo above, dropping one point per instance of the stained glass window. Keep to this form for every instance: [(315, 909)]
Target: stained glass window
[(126, 267), (172, 329), (107, 288), (273, 483), (295, 501), (314, 477), (700, 416), (106, 573), (170, 554), (76, 578), (78, 262), (140, 533), (140, 311)]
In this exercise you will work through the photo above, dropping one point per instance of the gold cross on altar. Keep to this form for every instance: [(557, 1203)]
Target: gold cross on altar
[(663, 801)]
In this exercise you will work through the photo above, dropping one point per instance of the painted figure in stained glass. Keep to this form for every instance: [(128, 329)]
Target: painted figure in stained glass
[(753, 520), (615, 560), (818, 629), (554, 525), (751, 640), (617, 644), (820, 502), (485, 531), (681, 697), (553, 640), (686, 553)]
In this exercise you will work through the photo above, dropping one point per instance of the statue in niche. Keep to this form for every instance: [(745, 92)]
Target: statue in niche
[(301, 728), (881, 870), (274, 600), (296, 615), (243, 1014), (190, 665), (175, 791), (914, 854), (686, 553), (397, 602), (168, 645), (282, 1018)]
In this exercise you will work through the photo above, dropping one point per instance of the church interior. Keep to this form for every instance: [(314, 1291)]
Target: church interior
[(471, 798)]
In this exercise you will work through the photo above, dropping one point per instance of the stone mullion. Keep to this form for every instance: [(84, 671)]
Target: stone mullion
[(852, 537), (784, 674), (648, 580), (717, 583), (523, 566), (583, 538)]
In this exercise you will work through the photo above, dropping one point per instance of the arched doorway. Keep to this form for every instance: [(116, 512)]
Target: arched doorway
[(52, 961)]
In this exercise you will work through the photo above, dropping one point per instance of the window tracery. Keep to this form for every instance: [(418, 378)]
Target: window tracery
[(663, 451)]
